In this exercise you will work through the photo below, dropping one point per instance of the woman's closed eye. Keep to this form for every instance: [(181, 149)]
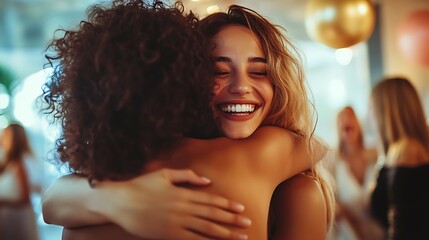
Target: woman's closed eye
[(258, 73), (217, 73), (222, 72), (264, 73), (257, 69)]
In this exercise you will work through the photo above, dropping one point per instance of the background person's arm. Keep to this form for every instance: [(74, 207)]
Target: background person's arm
[(148, 206)]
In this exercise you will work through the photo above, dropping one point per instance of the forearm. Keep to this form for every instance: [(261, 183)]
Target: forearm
[(105, 232), (306, 157), (71, 202), (149, 206)]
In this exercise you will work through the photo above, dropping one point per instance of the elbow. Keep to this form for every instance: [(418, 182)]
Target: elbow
[(47, 212), (51, 211), (52, 215)]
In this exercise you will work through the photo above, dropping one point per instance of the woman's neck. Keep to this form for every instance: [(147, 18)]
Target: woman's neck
[(354, 150)]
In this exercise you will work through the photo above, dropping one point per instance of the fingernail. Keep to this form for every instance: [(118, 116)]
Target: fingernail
[(238, 207), (240, 236), (245, 221), (206, 179)]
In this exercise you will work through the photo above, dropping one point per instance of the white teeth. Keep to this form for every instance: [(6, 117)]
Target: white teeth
[(238, 108)]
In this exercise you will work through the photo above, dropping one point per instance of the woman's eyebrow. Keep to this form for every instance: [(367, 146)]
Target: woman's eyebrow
[(250, 59), (222, 59), (257, 59)]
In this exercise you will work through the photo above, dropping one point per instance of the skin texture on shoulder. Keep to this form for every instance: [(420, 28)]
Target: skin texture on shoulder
[(271, 149), (301, 210)]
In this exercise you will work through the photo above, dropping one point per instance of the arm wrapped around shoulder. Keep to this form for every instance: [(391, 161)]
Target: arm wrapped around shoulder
[(106, 232)]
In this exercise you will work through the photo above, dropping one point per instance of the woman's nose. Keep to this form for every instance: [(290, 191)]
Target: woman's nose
[(240, 85)]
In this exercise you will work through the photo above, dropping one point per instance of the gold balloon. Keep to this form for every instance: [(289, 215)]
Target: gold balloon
[(340, 23)]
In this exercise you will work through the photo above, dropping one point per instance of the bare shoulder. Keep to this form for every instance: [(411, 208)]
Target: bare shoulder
[(302, 190), (278, 153), (272, 132), (264, 139), (407, 152), (299, 205)]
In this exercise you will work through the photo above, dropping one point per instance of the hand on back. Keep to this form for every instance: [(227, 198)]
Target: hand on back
[(152, 206)]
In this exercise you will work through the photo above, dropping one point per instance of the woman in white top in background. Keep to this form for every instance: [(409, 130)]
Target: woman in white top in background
[(353, 169)]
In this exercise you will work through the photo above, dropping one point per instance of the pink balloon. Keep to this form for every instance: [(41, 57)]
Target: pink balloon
[(413, 37)]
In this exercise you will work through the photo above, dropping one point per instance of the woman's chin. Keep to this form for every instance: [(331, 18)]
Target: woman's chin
[(238, 134)]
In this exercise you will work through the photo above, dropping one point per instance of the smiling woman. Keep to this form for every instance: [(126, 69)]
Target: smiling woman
[(243, 94)]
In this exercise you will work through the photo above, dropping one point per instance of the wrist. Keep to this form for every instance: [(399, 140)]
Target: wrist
[(100, 202)]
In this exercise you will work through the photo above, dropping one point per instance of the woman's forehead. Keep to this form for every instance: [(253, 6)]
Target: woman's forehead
[(237, 39)]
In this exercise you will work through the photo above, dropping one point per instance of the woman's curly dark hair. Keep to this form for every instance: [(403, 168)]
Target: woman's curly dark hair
[(128, 84)]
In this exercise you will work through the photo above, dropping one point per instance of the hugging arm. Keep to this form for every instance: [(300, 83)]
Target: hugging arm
[(282, 152), (69, 202), (177, 207), (102, 231), (298, 210), (114, 232), (155, 207)]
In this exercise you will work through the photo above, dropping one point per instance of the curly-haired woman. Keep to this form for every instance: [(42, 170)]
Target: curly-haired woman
[(250, 91)]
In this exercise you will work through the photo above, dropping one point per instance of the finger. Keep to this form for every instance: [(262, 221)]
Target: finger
[(185, 176), (215, 200), (219, 215), (214, 230)]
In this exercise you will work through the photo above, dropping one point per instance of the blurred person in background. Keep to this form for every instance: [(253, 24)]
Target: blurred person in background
[(17, 218), (400, 200), (353, 168)]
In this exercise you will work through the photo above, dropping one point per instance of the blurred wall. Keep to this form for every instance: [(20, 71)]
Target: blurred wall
[(393, 12)]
